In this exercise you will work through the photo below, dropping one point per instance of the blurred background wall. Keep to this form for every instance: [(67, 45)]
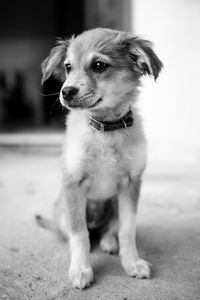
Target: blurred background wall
[(170, 107), (28, 30)]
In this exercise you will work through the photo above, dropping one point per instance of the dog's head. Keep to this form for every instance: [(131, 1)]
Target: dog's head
[(100, 68)]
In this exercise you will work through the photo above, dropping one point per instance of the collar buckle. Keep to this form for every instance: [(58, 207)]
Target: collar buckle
[(96, 125)]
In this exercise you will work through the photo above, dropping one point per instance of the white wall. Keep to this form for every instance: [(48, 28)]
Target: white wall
[(171, 107)]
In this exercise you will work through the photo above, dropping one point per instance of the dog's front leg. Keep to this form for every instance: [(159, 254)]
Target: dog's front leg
[(80, 271), (132, 264)]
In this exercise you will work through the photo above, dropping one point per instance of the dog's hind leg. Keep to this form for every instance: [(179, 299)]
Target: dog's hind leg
[(109, 241)]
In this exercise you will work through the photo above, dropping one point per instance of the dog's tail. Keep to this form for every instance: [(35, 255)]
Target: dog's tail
[(52, 226), (45, 223)]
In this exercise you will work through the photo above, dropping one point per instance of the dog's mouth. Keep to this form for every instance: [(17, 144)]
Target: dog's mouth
[(82, 105), (96, 103)]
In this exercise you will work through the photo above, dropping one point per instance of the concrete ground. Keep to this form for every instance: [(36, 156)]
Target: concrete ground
[(34, 264)]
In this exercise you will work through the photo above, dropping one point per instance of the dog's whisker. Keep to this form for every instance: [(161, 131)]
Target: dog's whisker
[(57, 99), (48, 95), (55, 105)]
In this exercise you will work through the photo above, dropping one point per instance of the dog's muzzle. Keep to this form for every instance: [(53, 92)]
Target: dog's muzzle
[(69, 92)]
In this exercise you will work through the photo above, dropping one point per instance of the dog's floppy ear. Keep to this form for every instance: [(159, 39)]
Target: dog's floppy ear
[(53, 64), (144, 59)]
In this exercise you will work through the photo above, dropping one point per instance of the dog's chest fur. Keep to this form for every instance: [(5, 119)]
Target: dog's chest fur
[(105, 160), (105, 164)]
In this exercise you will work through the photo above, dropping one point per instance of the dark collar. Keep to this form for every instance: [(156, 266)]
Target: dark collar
[(123, 123)]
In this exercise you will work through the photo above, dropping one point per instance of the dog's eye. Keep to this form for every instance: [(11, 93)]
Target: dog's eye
[(99, 66), (68, 68)]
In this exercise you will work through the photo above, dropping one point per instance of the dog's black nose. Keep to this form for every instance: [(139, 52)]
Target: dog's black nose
[(69, 92)]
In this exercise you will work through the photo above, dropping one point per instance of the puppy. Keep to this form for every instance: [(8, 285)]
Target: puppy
[(105, 148)]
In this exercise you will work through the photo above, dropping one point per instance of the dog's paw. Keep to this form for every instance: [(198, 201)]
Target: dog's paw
[(81, 278), (140, 269), (109, 244)]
